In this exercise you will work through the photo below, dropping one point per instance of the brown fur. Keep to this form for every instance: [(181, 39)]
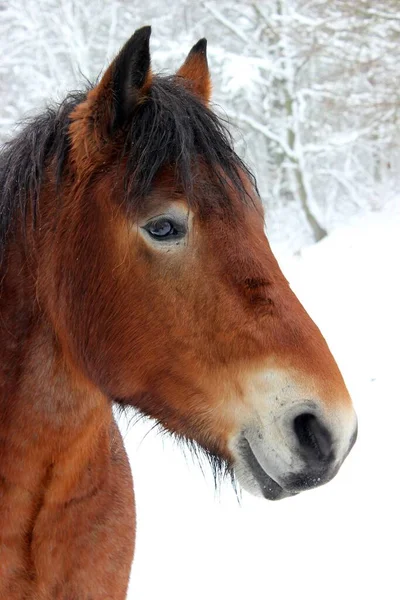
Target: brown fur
[(195, 74), (91, 313)]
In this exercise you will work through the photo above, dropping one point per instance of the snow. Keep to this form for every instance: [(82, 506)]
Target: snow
[(338, 541)]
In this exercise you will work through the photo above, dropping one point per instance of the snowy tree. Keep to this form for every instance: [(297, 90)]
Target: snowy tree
[(318, 99)]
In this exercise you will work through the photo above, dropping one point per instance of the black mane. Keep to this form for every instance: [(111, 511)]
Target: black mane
[(23, 161), (171, 127)]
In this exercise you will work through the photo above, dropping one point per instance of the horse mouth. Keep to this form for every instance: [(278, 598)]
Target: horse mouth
[(270, 489)]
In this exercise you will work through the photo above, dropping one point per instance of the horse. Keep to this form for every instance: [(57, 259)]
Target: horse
[(135, 271)]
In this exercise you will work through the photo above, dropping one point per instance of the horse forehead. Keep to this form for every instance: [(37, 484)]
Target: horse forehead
[(237, 223)]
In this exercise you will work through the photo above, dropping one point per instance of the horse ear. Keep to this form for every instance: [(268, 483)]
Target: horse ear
[(123, 85), (195, 73)]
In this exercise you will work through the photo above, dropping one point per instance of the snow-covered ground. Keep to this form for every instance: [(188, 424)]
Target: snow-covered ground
[(339, 541)]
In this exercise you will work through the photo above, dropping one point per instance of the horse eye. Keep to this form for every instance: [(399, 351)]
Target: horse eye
[(164, 228)]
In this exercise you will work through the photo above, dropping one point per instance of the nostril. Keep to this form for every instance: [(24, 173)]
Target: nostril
[(315, 440)]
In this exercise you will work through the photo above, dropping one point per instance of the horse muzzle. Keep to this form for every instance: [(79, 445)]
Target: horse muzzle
[(294, 451)]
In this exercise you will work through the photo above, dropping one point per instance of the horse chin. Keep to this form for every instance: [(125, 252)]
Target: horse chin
[(252, 477)]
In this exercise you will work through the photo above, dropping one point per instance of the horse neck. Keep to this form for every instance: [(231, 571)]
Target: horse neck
[(51, 416)]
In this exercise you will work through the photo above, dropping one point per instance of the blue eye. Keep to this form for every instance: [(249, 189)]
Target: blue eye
[(162, 229)]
